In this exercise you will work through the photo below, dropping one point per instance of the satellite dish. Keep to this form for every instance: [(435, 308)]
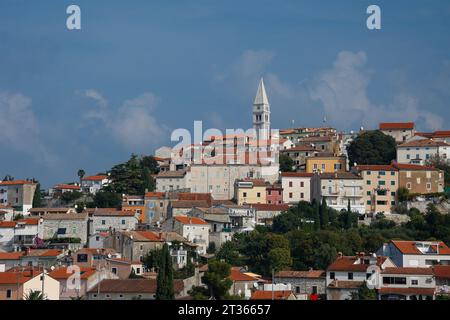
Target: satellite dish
[(255, 285), (109, 255)]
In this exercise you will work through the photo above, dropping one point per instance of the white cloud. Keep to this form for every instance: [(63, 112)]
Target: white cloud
[(343, 92), (132, 124), (20, 128)]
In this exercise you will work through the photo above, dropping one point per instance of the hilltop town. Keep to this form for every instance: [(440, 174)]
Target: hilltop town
[(290, 214)]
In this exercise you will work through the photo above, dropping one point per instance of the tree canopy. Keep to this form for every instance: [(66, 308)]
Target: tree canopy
[(372, 147)]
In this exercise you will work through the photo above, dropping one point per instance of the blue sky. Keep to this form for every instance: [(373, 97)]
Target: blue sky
[(139, 69)]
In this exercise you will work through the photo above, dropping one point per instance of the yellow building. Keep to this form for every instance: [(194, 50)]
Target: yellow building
[(326, 164), (380, 187), (250, 191)]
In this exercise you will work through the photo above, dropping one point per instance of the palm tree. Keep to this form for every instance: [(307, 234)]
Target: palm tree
[(35, 295), (81, 174)]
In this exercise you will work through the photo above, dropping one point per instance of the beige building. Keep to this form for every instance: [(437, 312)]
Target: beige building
[(195, 230), (400, 131), (219, 179), (420, 179), (296, 186), (17, 285), (339, 189), (18, 194), (299, 154), (379, 187), (422, 150), (173, 180), (326, 163), (250, 191)]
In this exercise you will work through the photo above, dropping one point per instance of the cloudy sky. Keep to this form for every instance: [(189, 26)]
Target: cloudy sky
[(139, 69)]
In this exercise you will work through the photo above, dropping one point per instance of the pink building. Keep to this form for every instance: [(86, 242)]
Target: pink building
[(274, 194)]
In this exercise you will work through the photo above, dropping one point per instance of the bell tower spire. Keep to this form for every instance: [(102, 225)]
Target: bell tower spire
[(261, 112)]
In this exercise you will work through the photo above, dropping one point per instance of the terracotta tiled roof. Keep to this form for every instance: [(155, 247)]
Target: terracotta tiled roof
[(67, 186), (195, 196), (15, 183), (296, 174), (159, 195), (148, 236), (62, 273), (189, 203), (132, 286), (349, 263), (300, 148), (270, 207), (343, 284), (396, 125), (408, 270), (409, 247), (301, 274), (376, 167), (65, 216), (114, 213), (441, 272), (43, 253), (237, 275), (424, 143), (406, 166), (267, 295), (339, 175), (17, 277), (190, 220), (256, 182), (10, 255), (7, 224), (407, 291), (95, 178)]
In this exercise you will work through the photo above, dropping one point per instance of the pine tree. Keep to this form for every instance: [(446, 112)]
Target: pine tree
[(164, 290), (323, 211)]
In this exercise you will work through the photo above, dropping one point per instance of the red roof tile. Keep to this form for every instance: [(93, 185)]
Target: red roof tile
[(237, 275), (17, 277), (375, 168), (407, 291), (296, 174), (62, 273), (15, 183), (408, 270), (7, 224), (396, 125), (10, 255), (267, 295), (190, 220), (301, 274), (409, 247), (95, 178)]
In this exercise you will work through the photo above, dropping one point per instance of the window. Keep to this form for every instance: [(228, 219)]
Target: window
[(408, 186), (393, 183), (8, 294), (302, 184), (244, 194), (114, 270), (414, 282), (382, 182), (382, 173), (369, 202), (369, 182), (394, 280), (258, 194), (290, 195), (350, 276), (302, 195), (103, 222), (392, 173), (332, 275), (123, 221), (297, 289), (138, 270), (393, 193), (290, 184), (97, 238), (368, 172), (428, 186), (369, 193), (61, 231)]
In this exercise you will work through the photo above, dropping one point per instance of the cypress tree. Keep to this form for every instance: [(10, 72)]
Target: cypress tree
[(164, 281)]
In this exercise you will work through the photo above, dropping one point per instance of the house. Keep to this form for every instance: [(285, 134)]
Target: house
[(442, 278), (420, 179), (339, 190), (93, 257), (134, 245), (60, 189), (274, 194), (296, 186), (218, 175), (15, 235), (129, 289), (183, 207), (347, 273), (97, 240), (41, 257), (306, 283), (409, 283), (38, 212), (195, 230), (243, 283), (326, 143), (122, 268), (249, 191), (135, 204), (265, 213), (105, 220), (16, 285), (421, 254), (19, 194), (65, 226), (6, 213), (173, 180), (9, 260), (155, 207), (93, 184), (298, 154), (400, 131), (220, 225), (273, 295), (243, 218), (326, 163), (423, 150), (380, 185), (75, 281)]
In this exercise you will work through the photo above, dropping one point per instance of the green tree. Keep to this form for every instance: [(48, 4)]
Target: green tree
[(81, 173), (317, 220), (286, 163), (280, 259), (372, 147), (37, 198), (217, 279), (364, 293), (229, 252), (35, 295), (402, 194), (107, 199), (70, 196), (164, 280), (323, 210), (150, 163)]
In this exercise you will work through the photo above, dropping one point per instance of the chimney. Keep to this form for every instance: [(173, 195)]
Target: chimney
[(339, 254)]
